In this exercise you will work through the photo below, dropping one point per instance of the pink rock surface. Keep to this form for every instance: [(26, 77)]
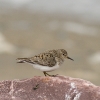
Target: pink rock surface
[(49, 88)]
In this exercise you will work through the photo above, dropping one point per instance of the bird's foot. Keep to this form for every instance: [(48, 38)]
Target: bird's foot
[(54, 75), (49, 74)]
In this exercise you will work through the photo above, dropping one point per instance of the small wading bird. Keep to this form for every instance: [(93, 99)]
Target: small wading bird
[(47, 61)]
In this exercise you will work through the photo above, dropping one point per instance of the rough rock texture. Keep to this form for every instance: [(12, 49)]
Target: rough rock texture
[(49, 88)]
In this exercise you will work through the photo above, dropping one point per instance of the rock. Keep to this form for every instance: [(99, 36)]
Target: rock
[(49, 88)]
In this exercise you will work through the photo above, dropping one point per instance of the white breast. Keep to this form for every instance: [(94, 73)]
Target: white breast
[(46, 68)]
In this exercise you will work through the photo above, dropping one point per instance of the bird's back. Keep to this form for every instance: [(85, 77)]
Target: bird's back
[(44, 59)]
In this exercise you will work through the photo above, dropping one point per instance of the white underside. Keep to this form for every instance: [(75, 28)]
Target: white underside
[(45, 68)]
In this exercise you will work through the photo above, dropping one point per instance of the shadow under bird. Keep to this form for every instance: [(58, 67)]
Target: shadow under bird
[(47, 61)]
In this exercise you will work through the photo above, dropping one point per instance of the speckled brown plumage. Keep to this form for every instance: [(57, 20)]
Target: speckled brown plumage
[(48, 59)]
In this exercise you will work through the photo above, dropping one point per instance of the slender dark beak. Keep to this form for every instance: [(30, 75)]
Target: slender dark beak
[(70, 58)]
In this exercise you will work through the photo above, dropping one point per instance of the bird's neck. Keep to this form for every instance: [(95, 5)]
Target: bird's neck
[(61, 61)]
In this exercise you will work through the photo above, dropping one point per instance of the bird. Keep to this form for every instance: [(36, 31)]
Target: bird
[(47, 61)]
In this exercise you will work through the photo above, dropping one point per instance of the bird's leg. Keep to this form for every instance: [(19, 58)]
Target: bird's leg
[(45, 73), (49, 74)]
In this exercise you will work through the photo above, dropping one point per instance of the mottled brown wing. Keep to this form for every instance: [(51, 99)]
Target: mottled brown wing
[(44, 59)]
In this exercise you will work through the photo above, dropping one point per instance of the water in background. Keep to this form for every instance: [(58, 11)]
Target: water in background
[(28, 27), (87, 10)]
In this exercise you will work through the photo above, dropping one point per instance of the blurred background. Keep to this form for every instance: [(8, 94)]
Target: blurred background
[(29, 27)]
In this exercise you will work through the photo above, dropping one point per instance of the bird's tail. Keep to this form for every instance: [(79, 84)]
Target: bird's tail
[(22, 60)]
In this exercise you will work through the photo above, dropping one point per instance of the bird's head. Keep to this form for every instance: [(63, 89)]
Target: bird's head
[(63, 54)]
